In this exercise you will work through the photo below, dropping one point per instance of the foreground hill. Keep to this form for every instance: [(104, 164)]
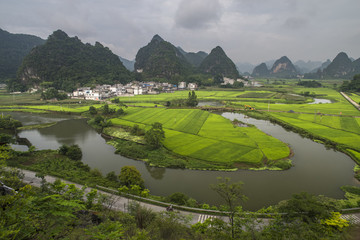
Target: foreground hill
[(161, 59), (13, 48), (68, 63), (218, 63)]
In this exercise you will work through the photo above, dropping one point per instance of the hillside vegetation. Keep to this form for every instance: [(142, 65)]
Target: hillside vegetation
[(67, 63)]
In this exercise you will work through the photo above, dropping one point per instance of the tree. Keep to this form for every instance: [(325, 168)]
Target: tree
[(52, 93), (192, 100), (92, 110), (231, 193), (307, 207), (155, 135), (306, 216), (129, 175), (7, 122), (5, 139), (73, 152)]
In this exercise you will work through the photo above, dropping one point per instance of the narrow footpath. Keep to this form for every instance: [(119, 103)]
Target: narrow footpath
[(357, 106)]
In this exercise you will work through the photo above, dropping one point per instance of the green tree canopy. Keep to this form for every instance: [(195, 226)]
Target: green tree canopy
[(155, 135), (192, 99), (129, 175)]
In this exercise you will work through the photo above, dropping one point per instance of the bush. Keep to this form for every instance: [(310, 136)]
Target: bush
[(7, 122), (178, 198), (129, 176), (92, 110), (73, 152)]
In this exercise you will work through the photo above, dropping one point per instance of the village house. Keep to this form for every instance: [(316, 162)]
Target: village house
[(182, 85), (192, 86)]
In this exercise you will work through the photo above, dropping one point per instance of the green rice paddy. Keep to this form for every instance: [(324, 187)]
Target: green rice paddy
[(207, 136)]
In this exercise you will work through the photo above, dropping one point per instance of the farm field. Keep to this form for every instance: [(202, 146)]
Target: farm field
[(343, 130), (205, 95), (340, 107), (209, 137)]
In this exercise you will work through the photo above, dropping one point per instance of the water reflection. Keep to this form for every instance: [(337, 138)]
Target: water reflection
[(156, 172)]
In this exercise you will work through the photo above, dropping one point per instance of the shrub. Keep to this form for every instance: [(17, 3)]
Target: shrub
[(73, 152), (178, 198), (92, 110)]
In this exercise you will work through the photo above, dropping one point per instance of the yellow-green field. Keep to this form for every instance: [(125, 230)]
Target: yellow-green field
[(207, 136)]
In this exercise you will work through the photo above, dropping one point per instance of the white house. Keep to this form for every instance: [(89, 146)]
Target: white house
[(182, 85), (138, 90), (192, 86)]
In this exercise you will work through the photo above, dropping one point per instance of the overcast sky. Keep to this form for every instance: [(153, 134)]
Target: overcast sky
[(248, 30)]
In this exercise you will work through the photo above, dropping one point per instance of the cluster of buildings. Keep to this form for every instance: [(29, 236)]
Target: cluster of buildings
[(131, 89)]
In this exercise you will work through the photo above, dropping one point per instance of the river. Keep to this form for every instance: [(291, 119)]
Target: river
[(316, 170)]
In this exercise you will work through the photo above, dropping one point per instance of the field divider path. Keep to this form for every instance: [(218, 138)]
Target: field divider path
[(357, 106)]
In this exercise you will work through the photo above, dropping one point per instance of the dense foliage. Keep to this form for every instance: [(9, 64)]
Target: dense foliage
[(217, 63), (192, 99), (309, 84), (129, 175), (73, 152), (52, 93), (353, 85), (69, 63), (155, 135), (13, 48), (7, 122)]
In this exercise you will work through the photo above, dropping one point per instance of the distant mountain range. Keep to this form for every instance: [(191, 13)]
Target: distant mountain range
[(13, 49), (341, 67), (66, 63)]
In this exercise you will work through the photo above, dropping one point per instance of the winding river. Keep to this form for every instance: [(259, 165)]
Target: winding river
[(316, 169)]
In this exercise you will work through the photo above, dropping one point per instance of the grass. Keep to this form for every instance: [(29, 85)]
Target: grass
[(208, 137)]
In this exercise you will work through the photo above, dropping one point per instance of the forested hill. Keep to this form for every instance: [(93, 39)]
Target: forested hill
[(13, 48), (217, 63), (68, 63), (161, 59), (341, 67)]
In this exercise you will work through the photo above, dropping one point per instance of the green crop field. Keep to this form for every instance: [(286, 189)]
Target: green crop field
[(340, 107), (342, 130), (206, 136)]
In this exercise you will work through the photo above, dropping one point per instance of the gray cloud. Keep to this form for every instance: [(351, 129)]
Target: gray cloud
[(248, 30), (196, 14), (294, 23)]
